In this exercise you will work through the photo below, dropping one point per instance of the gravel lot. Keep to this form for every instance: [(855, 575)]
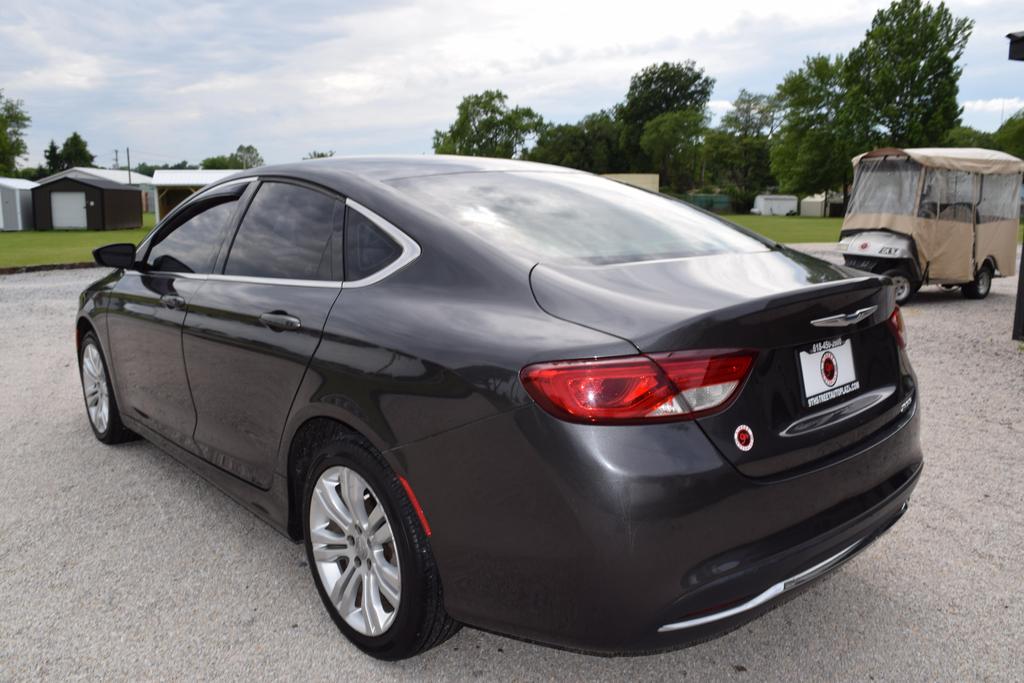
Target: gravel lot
[(116, 562)]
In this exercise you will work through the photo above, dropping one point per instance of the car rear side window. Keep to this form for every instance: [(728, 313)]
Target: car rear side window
[(567, 216), (287, 233), (367, 248), (192, 246)]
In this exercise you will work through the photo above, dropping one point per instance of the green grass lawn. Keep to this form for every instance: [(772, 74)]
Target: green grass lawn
[(791, 228), (53, 247)]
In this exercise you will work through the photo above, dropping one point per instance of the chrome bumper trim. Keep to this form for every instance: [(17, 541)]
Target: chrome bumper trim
[(772, 592)]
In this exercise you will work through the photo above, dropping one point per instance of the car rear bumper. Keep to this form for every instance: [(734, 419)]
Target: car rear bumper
[(622, 541), (777, 577)]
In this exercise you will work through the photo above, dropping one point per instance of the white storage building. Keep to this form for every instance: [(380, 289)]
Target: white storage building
[(16, 204), (775, 205)]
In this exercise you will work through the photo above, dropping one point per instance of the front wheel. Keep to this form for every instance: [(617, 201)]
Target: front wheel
[(981, 286), (369, 553), (100, 403), (903, 283)]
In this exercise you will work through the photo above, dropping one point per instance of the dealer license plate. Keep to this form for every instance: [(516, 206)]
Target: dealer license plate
[(827, 371)]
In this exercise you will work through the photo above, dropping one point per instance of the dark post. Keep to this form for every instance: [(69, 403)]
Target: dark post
[(1017, 52), (128, 158)]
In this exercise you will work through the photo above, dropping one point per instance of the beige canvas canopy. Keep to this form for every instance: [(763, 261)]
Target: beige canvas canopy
[(961, 206), (969, 159)]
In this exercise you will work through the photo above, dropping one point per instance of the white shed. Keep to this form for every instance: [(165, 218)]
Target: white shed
[(822, 204), (775, 205), (16, 204)]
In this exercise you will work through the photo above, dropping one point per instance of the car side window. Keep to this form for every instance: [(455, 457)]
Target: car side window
[(286, 233), (192, 246), (367, 247)]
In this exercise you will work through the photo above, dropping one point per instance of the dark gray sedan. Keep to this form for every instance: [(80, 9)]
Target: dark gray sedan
[(510, 395)]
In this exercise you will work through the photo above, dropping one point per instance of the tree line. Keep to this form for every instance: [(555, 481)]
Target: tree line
[(898, 87)]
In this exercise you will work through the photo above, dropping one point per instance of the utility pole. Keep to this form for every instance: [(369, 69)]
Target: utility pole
[(128, 157), (115, 159)]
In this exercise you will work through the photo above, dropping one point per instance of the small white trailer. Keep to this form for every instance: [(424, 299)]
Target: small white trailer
[(16, 204), (775, 205)]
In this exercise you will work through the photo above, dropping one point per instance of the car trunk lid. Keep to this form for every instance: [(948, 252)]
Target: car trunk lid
[(764, 301)]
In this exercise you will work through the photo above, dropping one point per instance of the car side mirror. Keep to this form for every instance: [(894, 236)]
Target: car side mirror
[(120, 255)]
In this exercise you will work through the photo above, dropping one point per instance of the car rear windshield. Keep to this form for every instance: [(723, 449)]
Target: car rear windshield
[(574, 217)]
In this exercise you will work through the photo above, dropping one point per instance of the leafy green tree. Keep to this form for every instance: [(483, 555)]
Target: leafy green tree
[(54, 161), (902, 79), (672, 141), (247, 157), (965, 136), (656, 90), (818, 137), (317, 154), (1010, 136), (75, 152), (226, 162), (14, 122), (738, 152), (752, 115), (898, 87), (562, 144), (591, 145), (149, 169), (486, 126), (34, 172)]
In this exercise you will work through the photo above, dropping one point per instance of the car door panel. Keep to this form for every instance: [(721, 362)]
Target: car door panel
[(145, 346), (147, 310), (250, 333), (244, 373)]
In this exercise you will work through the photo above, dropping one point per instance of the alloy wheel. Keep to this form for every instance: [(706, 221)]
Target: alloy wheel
[(354, 551), (97, 393)]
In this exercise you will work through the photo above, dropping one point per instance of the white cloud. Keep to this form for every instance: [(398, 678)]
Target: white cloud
[(995, 105)]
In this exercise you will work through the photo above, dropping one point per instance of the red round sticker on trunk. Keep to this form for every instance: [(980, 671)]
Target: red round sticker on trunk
[(744, 438)]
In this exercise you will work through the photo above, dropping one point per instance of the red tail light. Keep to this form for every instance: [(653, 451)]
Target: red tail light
[(899, 330), (635, 389)]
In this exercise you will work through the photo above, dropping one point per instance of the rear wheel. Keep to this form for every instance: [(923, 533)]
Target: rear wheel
[(981, 286), (100, 403), (369, 553), (903, 283)]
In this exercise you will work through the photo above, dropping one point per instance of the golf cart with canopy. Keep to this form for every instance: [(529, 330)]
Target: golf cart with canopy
[(934, 216)]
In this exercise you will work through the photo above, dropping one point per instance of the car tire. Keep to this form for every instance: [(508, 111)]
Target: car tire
[(100, 403), (344, 468), (904, 285), (981, 286)]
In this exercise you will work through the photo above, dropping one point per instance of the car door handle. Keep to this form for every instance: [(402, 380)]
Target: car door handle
[(173, 301), (280, 322)]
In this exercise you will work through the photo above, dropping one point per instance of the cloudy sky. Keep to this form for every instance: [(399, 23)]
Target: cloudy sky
[(191, 80)]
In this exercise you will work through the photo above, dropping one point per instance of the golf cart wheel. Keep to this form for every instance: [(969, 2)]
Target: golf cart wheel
[(981, 286), (903, 283)]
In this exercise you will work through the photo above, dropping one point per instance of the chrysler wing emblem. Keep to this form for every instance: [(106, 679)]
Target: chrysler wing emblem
[(845, 319)]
